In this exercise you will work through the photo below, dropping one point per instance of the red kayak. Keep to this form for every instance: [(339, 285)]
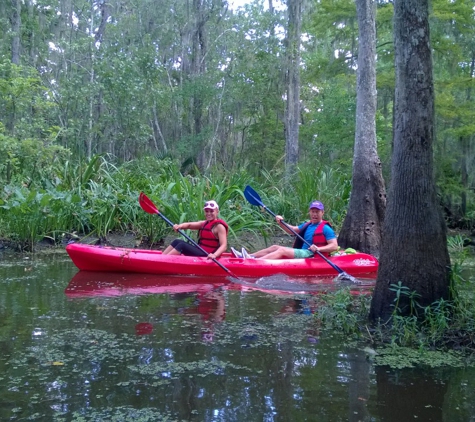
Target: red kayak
[(114, 259)]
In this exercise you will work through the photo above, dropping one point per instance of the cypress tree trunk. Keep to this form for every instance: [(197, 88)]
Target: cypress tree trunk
[(362, 226), (16, 28), (414, 246), (292, 110)]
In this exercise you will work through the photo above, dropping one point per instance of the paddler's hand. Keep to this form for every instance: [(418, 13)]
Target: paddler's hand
[(314, 248), (181, 226), (212, 256), (278, 218)]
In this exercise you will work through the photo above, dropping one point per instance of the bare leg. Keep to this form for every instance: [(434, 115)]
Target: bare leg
[(266, 251), (279, 252), (170, 250)]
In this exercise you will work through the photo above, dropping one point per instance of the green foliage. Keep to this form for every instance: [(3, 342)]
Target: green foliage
[(453, 31), (25, 211), (341, 311), (181, 197), (95, 197), (215, 96), (329, 134), (441, 325), (28, 142), (457, 246), (403, 292), (311, 182), (422, 326), (215, 104)]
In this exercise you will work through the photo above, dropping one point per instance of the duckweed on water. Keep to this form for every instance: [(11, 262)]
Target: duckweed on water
[(405, 357), (120, 413), (405, 342), (257, 334), (64, 352), (200, 368)]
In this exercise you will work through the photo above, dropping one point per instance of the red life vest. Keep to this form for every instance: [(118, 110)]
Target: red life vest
[(318, 238), (206, 238)]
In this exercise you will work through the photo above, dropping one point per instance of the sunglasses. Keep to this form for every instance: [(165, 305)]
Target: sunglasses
[(210, 206)]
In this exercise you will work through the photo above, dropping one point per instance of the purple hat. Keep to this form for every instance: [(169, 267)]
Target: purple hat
[(316, 204)]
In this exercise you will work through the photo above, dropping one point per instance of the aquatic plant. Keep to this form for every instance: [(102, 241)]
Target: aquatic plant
[(435, 335), (444, 325), (399, 357), (96, 197), (341, 311)]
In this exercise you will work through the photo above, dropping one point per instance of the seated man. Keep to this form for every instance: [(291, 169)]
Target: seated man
[(317, 232)]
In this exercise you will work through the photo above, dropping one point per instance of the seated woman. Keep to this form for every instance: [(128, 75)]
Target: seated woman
[(212, 235), (317, 232)]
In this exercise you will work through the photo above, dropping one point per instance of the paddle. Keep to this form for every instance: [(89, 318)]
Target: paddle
[(253, 197), (149, 207)]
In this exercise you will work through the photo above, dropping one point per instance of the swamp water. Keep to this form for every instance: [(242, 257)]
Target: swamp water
[(111, 347)]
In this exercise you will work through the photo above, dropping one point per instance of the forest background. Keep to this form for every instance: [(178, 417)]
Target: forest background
[(186, 101)]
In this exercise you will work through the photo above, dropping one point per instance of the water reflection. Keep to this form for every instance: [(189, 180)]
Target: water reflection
[(410, 394), (101, 346), (88, 283)]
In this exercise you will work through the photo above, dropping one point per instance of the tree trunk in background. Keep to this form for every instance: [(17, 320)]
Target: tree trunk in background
[(199, 46), (16, 29), (414, 247), (361, 228), (292, 110), (31, 34), (465, 145), (90, 135)]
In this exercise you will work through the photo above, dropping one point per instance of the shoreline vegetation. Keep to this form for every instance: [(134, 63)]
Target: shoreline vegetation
[(96, 199)]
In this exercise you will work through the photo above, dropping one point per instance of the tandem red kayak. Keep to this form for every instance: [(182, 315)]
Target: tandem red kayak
[(115, 259)]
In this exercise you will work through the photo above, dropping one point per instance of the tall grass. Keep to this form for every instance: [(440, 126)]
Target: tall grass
[(97, 198), (291, 200), (182, 197)]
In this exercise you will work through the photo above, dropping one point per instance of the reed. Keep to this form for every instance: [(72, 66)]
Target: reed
[(291, 199)]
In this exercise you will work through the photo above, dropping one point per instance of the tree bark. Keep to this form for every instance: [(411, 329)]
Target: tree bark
[(16, 29), (414, 245), (198, 68), (99, 35), (292, 110), (363, 223), (32, 34), (92, 78)]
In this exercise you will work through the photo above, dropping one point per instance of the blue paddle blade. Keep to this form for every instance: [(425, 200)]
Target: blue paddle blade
[(252, 196)]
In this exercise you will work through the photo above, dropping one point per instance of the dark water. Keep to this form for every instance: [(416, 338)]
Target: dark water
[(101, 347)]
